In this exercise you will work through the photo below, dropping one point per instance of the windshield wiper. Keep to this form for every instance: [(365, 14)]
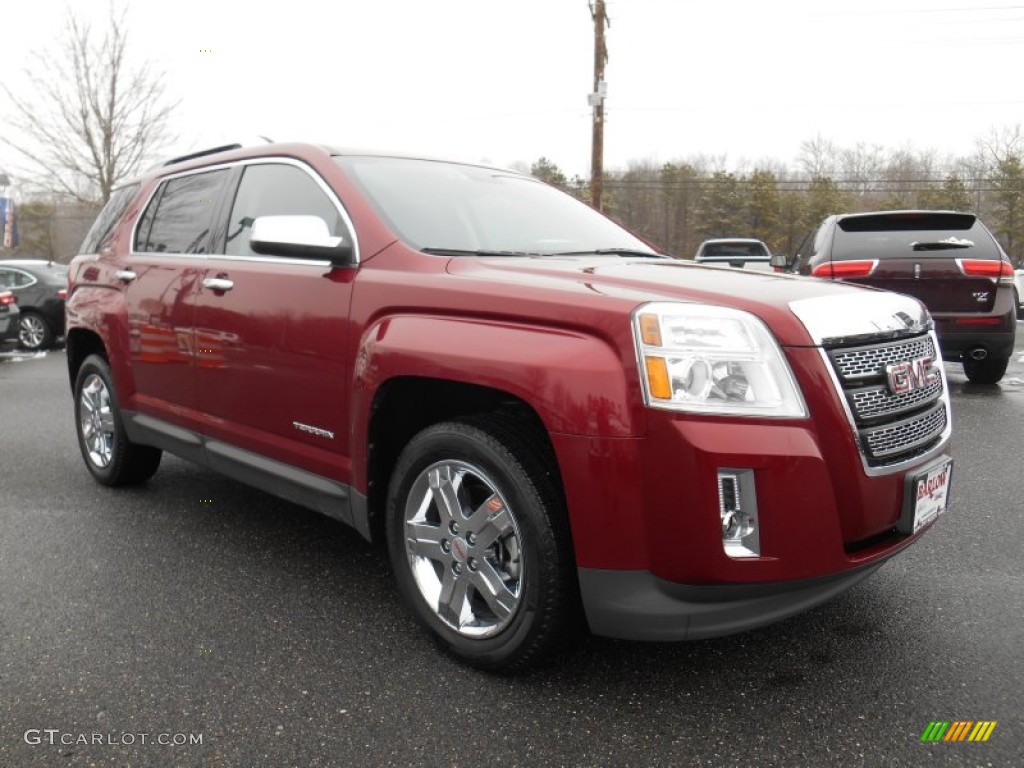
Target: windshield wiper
[(464, 252), (612, 252), (943, 245)]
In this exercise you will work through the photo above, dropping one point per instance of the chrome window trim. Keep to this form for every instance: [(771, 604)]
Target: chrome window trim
[(268, 160), (269, 260)]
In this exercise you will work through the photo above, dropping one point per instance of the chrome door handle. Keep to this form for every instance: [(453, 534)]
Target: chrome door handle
[(218, 284), (125, 275)]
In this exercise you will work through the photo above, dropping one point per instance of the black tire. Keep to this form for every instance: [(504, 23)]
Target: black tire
[(987, 371), (506, 478), (34, 333), (109, 455)]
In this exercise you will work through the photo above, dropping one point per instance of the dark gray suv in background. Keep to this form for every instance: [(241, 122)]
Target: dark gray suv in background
[(947, 260)]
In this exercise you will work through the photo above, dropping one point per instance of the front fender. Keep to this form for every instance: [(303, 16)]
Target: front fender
[(576, 383)]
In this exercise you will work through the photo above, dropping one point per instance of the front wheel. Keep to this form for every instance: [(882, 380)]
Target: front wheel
[(987, 371), (477, 539), (109, 455)]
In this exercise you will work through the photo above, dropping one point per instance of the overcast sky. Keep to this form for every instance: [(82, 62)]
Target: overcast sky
[(507, 82)]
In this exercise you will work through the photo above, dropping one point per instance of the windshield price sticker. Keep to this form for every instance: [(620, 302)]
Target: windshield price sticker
[(931, 494)]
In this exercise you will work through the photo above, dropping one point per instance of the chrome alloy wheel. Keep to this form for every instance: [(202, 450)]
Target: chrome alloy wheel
[(31, 331), (96, 421), (464, 548)]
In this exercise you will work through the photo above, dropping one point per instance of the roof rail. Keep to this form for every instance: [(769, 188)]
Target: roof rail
[(202, 153)]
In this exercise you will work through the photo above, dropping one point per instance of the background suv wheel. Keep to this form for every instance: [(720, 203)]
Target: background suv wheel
[(987, 371)]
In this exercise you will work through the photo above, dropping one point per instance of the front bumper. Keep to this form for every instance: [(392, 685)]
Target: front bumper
[(637, 605)]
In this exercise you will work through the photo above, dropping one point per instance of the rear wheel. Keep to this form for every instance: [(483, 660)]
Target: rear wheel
[(987, 371), (109, 455), (477, 540), (33, 332)]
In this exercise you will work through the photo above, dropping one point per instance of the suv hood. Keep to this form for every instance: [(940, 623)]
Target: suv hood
[(800, 311)]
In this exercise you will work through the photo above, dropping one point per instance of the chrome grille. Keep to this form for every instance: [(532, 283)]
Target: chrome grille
[(878, 402), (891, 428), (866, 362), (905, 435)]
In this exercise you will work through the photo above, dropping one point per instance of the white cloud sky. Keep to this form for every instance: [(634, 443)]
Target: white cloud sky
[(506, 82)]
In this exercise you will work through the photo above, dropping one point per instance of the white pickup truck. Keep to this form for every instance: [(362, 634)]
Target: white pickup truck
[(740, 252)]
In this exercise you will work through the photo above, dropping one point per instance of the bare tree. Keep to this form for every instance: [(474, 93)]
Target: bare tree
[(91, 119), (1000, 143), (819, 157)]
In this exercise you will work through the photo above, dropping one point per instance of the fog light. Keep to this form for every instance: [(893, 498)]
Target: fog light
[(737, 505)]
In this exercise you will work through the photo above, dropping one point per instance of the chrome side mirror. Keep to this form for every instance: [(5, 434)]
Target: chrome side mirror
[(301, 237)]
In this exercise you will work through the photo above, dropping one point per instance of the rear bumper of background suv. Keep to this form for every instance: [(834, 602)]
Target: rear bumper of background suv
[(956, 341)]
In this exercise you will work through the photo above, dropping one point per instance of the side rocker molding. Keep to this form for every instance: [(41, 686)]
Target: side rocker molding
[(322, 494)]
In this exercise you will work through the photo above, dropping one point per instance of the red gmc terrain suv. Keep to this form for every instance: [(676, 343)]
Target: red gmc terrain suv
[(545, 419)]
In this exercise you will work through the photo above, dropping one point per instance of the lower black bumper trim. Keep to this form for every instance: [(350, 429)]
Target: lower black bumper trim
[(637, 605)]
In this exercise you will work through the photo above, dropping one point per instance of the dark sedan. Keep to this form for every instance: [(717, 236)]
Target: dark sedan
[(40, 288)]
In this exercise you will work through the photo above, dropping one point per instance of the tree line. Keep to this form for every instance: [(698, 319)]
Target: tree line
[(676, 205)]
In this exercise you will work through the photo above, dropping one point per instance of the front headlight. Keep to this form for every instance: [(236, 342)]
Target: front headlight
[(707, 359)]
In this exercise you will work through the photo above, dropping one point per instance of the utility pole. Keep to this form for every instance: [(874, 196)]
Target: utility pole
[(596, 99)]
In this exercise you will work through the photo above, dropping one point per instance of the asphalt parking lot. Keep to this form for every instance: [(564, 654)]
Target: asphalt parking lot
[(196, 607)]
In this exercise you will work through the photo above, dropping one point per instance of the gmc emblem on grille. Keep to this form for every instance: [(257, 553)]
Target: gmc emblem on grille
[(910, 375)]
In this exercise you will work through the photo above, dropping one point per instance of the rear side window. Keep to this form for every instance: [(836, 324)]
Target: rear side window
[(811, 248), (277, 190), (918, 236), (180, 215), (112, 212), (15, 278)]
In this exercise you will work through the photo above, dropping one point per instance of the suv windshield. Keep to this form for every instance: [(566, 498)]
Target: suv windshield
[(450, 208)]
